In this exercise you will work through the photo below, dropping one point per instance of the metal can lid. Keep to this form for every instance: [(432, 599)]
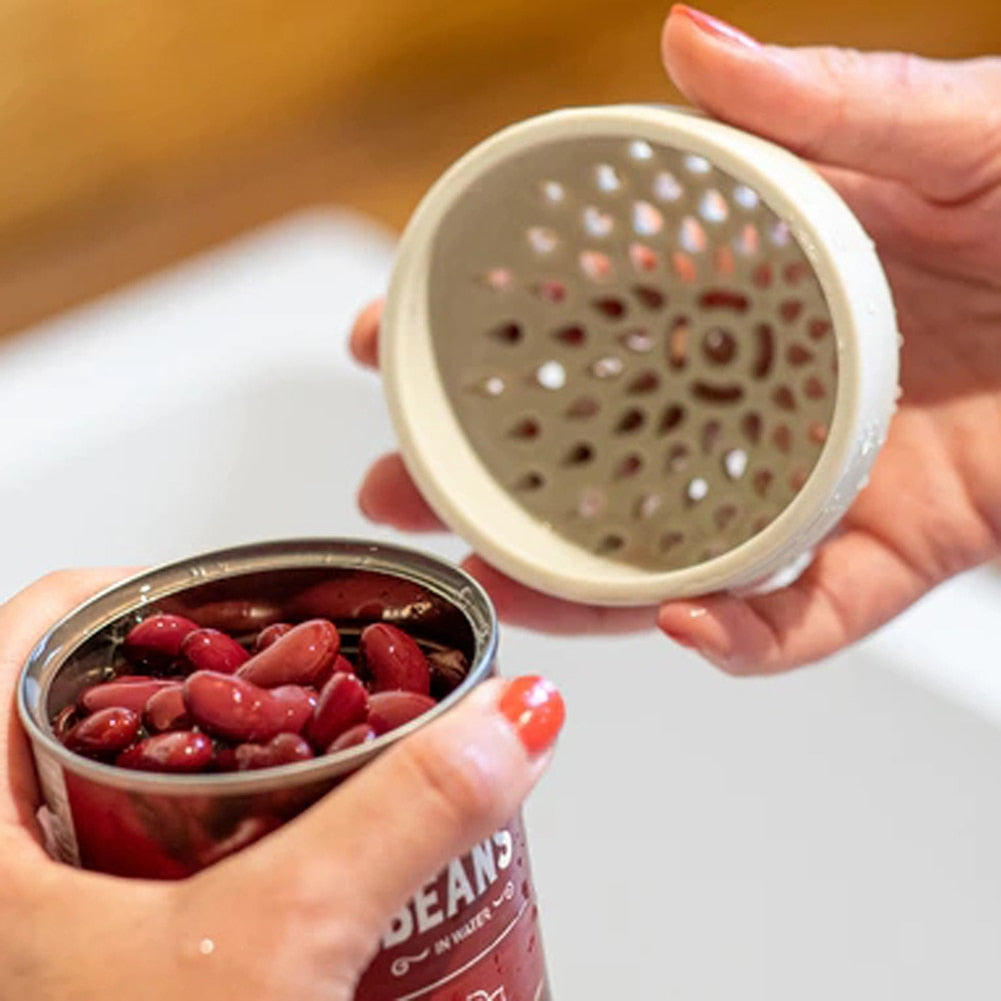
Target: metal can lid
[(632, 353)]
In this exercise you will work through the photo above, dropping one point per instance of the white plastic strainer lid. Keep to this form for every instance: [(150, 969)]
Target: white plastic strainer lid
[(632, 353)]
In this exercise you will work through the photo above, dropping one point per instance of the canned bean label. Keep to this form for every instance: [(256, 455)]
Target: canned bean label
[(470, 934)]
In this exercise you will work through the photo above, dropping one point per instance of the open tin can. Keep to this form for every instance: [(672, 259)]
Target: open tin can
[(469, 933)]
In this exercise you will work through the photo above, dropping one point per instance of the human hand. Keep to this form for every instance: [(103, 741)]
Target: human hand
[(296, 916), (914, 147)]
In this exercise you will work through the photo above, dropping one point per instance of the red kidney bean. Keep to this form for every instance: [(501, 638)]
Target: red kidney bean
[(104, 732), (181, 751), (156, 642), (131, 692), (212, 650), (342, 666), (388, 710), (285, 749), (343, 703), (297, 703), (395, 660), (165, 710), (364, 596), (236, 615), (300, 657), (270, 634), (448, 669), (360, 734), (230, 706)]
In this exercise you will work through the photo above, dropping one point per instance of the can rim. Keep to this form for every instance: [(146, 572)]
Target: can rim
[(442, 578)]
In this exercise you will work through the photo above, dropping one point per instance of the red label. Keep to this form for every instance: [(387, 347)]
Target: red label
[(470, 934)]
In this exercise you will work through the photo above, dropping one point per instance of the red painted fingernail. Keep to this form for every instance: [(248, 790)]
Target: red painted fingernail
[(535, 708), (714, 26)]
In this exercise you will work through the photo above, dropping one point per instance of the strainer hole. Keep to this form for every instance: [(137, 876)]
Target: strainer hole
[(677, 458), (649, 296), (719, 298), (580, 455), (795, 271), (779, 233), (719, 346), (595, 265), (647, 221), (697, 164), (632, 420), (607, 368), (643, 258), (552, 192), (666, 187), (648, 505), (711, 392), (725, 516), (817, 433), (819, 329), (684, 266), (640, 149), (797, 355), (745, 197), (669, 541), (747, 241), (691, 235), (751, 426), (607, 177), (711, 432), (530, 481), (508, 333), (591, 502), (782, 438), (572, 337), (492, 385), (713, 207), (610, 306), (637, 339), (735, 463), (628, 466), (671, 418), (677, 344), (763, 479), (814, 388), (542, 239), (527, 429), (761, 523), (765, 354), (762, 275), (550, 291), (498, 279), (783, 398), (696, 490), (610, 543), (646, 381), (797, 479), (725, 265), (597, 223), (583, 407), (551, 375), (791, 310)]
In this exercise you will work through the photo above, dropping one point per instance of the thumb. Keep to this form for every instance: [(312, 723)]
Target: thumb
[(927, 123), (370, 845)]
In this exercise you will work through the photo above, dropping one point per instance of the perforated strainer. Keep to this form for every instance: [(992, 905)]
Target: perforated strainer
[(632, 353)]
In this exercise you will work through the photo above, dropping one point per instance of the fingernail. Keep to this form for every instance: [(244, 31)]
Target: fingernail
[(535, 709), (714, 26)]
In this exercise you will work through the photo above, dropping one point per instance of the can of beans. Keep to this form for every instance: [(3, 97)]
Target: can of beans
[(137, 786)]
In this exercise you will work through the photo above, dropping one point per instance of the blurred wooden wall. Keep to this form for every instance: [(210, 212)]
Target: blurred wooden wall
[(133, 132)]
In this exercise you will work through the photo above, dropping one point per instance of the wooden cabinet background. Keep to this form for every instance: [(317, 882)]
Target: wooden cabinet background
[(133, 132)]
